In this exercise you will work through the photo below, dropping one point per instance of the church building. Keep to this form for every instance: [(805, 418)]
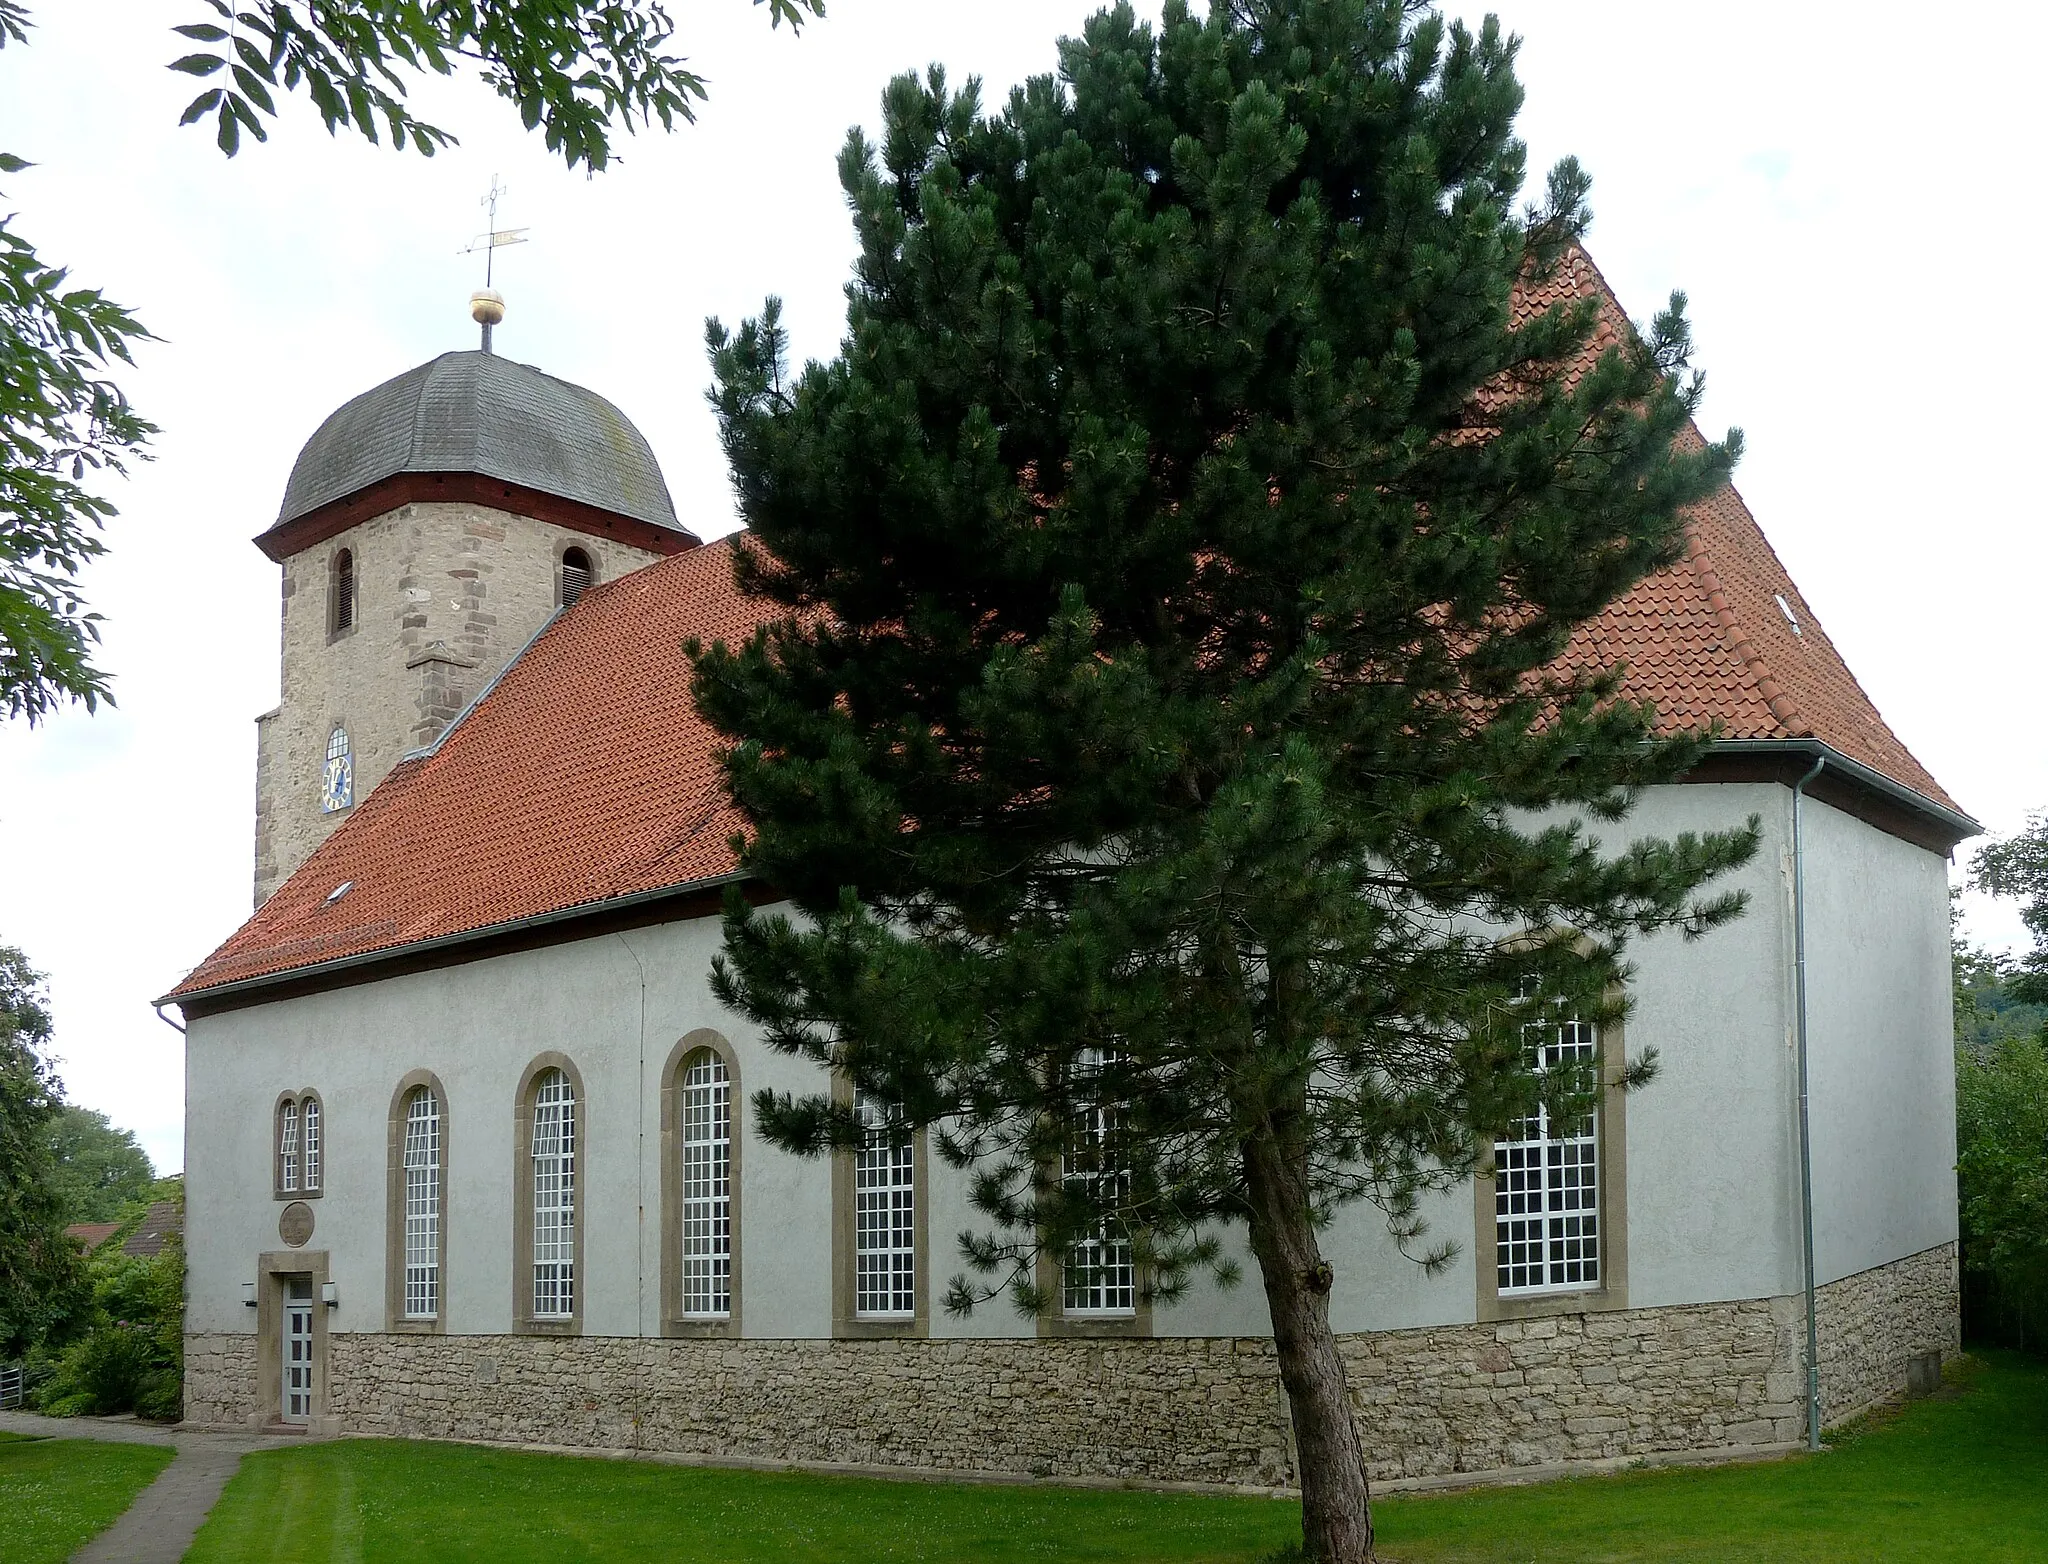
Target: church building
[(468, 1153)]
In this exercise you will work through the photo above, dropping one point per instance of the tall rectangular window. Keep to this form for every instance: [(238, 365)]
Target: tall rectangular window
[(309, 1140), (554, 1197), (884, 1218), (1098, 1275), (707, 1187), (1547, 1178), (288, 1145), (422, 1206)]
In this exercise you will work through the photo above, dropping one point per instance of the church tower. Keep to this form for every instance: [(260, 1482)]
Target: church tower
[(430, 529)]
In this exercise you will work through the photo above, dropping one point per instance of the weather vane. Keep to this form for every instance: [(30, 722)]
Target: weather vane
[(487, 305)]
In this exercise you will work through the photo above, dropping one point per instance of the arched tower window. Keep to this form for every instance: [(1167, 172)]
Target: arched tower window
[(576, 575), (344, 590), (338, 777), (297, 1151)]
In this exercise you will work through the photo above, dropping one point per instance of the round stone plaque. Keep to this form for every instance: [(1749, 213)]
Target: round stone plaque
[(295, 1223)]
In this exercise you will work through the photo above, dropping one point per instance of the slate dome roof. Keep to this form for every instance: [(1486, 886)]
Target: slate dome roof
[(472, 412)]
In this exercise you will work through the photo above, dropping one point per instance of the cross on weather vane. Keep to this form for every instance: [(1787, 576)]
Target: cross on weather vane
[(486, 305)]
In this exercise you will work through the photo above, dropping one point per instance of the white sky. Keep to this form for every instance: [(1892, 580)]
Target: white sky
[(1847, 192)]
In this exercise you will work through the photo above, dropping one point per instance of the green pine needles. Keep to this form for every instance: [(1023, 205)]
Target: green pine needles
[(1165, 749)]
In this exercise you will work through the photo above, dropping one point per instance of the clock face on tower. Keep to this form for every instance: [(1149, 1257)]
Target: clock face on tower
[(338, 780)]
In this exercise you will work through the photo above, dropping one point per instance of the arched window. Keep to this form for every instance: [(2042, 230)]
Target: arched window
[(706, 1091), (338, 777), (288, 1146), (422, 1162), (554, 1196), (344, 590), (296, 1146), (884, 1216), (1100, 1278), (1547, 1174), (576, 575), (309, 1144)]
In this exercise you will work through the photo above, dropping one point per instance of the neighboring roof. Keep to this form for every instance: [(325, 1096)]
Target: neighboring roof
[(161, 1224), (92, 1234), (476, 413), (586, 777)]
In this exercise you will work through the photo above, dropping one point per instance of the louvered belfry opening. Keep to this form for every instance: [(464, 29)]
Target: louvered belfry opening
[(575, 575), (344, 589)]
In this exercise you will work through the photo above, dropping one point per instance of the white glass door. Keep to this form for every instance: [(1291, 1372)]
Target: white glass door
[(298, 1349)]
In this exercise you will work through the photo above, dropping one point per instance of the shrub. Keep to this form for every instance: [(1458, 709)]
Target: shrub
[(2002, 1178)]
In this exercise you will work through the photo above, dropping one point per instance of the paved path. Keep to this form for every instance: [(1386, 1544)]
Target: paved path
[(160, 1525)]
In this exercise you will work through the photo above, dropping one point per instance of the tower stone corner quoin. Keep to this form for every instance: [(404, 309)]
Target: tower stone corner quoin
[(422, 542)]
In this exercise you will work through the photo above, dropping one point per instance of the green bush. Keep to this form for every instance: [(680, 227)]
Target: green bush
[(2002, 1179), (131, 1355)]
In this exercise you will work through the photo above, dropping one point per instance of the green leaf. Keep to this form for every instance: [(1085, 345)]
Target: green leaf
[(202, 32), (10, 164), (199, 106), (198, 64)]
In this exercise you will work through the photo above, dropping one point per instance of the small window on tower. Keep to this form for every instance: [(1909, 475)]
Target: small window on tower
[(344, 590), (338, 778), (576, 574)]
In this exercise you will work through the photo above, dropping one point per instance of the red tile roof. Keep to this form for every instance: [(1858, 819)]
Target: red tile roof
[(586, 774)]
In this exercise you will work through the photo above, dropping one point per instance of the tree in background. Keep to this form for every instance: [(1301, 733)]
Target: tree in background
[(2002, 1099), (98, 1170), (1166, 723), (2018, 868), (40, 1273), (123, 1349), (579, 70)]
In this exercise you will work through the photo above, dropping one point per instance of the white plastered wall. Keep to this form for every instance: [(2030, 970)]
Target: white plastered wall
[(1712, 1154), (1881, 1045)]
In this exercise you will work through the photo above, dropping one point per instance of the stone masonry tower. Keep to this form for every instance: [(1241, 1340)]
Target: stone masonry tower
[(431, 528)]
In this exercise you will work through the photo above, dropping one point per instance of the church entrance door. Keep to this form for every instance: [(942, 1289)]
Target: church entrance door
[(298, 1349)]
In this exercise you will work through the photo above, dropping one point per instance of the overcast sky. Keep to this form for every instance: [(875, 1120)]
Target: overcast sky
[(1848, 193)]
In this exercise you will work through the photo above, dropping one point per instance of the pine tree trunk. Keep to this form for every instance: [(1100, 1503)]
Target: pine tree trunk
[(1336, 1508)]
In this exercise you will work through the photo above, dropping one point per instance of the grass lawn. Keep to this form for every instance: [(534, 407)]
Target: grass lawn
[(1960, 1477), (58, 1493)]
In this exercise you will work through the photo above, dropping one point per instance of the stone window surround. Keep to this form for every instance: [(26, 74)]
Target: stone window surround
[(1612, 1141), (277, 1190), (273, 1269), (523, 1321), (673, 1321), (337, 631), (846, 1325), (1049, 1274), (394, 1210)]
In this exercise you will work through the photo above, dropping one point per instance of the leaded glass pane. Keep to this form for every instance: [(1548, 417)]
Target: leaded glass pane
[(554, 1197), (707, 1187), (884, 1216), (422, 1205), (1547, 1178)]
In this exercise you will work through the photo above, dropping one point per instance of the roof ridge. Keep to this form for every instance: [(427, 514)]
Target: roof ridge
[(1782, 706)]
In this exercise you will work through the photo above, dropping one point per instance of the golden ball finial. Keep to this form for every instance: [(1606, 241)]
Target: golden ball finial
[(487, 306)]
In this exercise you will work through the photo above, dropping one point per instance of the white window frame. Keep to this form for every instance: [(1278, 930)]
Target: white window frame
[(554, 1196), (309, 1144), (1098, 1274), (423, 1178), (288, 1146), (706, 1152), (884, 1216), (1547, 1180)]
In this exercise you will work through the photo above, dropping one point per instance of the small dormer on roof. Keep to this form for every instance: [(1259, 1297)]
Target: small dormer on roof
[(474, 426)]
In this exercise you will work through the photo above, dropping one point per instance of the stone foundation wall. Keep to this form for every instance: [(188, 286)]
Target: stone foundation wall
[(220, 1378), (1719, 1377), (1872, 1323)]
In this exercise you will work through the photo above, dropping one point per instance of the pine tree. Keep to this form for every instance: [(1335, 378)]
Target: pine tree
[(1166, 722)]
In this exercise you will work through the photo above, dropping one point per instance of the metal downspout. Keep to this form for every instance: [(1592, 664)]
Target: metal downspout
[(1805, 1117)]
